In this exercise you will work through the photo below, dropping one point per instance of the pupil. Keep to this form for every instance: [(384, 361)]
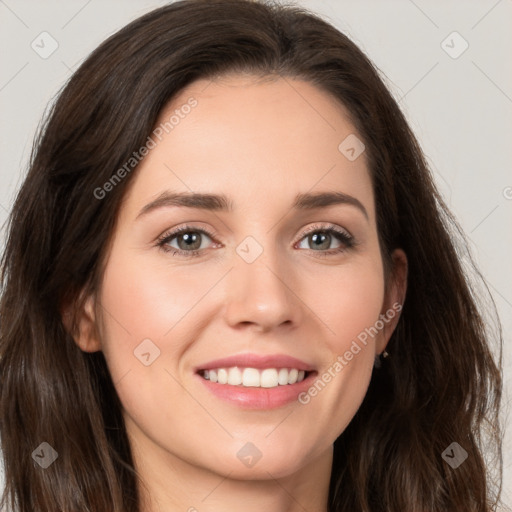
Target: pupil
[(320, 238), (190, 239)]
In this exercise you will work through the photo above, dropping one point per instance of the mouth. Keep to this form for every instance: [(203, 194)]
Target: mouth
[(252, 381), (254, 377)]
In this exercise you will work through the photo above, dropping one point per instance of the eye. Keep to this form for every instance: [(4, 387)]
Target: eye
[(321, 238), (189, 241)]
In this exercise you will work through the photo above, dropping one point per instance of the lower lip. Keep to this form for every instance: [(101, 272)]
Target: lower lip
[(258, 398)]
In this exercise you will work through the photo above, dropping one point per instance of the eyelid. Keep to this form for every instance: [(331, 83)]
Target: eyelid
[(320, 227), (171, 233)]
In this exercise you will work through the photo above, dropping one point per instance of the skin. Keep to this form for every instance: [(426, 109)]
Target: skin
[(260, 142)]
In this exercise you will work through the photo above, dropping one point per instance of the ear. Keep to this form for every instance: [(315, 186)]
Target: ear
[(394, 299), (85, 333)]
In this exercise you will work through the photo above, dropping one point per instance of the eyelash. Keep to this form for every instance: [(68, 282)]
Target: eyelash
[(346, 239)]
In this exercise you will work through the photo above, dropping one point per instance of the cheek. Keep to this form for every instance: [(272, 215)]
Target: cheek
[(349, 308), (140, 301), (348, 303), (143, 310)]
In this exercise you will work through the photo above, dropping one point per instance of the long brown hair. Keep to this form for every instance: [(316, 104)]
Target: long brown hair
[(441, 384)]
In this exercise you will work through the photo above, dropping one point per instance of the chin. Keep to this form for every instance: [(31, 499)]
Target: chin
[(259, 461)]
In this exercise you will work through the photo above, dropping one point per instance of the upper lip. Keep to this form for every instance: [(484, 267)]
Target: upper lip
[(257, 361)]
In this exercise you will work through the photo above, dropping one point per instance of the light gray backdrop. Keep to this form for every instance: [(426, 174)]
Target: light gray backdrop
[(455, 89)]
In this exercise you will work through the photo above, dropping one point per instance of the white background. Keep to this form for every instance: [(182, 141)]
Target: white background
[(460, 109)]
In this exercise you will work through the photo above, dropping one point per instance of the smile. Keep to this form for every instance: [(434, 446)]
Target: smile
[(254, 377), (256, 381)]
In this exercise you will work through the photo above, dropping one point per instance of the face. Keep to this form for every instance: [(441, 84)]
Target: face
[(241, 344)]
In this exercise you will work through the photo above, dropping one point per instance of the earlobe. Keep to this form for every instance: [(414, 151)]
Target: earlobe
[(85, 334)]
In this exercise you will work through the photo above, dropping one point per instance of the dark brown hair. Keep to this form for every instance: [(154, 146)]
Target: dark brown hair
[(442, 383)]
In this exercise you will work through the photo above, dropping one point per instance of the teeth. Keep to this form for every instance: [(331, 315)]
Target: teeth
[(251, 378), (292, 376), (222, 376), (254, 378), (234, 377), (269, 378), (282, 376)]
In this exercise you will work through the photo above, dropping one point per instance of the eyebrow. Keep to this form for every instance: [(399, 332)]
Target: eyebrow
[(221, 203)]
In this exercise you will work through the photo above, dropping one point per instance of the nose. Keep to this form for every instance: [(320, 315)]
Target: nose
[(262, 294)]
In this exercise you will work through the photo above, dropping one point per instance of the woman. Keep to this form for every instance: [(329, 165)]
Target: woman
[(173, 338)]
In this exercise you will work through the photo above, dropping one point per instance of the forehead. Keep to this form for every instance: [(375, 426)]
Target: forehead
[(256, 140)]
